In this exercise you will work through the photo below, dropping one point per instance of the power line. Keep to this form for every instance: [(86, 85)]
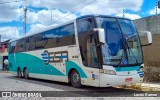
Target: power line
[(73, 12), (10, 2)]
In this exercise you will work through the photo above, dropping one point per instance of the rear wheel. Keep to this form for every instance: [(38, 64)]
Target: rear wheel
[(75, 79), (19, 73), (26, 74)]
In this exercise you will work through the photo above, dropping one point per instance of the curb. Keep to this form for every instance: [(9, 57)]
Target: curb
[(143, 86), (4, 71)]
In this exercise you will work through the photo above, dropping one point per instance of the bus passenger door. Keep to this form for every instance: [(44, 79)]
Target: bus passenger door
[(89, 60), (92, 61), (87, 40)]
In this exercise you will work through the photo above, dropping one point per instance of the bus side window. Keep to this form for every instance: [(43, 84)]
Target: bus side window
[(39, 42), (26, 45), (12, 47), (60, 36), (20, 46)]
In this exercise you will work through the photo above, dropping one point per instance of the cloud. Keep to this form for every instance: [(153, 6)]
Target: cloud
[(36, 27), (110, 7), (42, 19), (130, 16), (99, 6), (39, 11), (64, 8), (153, 11), (107, 7), (14, 11), (9, 33), (58, 4), (10, 12), (44, 16)]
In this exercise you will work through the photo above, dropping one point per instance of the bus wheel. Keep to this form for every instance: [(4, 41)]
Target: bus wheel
[(26, 74), (75, 79), (19, 73)]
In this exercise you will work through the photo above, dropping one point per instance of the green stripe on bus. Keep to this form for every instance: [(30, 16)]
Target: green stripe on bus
[(34, 64), (71, 64), (120, 69)]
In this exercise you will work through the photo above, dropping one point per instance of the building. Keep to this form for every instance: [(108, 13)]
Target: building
[(151, 53), (3, 54)]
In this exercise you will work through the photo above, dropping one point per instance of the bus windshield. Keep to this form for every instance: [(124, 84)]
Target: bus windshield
[(123, 47)]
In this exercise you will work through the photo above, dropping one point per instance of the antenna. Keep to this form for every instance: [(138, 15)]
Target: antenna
[(25, 15)]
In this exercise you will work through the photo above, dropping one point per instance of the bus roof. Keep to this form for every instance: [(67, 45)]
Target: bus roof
[(52, 27), (96, 15)]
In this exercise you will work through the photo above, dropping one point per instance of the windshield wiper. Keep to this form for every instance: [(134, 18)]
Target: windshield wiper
[(121, 59), (130, 37), (129, 48)]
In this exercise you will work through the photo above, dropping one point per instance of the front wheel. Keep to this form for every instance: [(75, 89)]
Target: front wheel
[(26, 74), (75, 79)]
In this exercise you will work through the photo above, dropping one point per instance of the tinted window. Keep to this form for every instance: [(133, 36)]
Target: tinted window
[(12, 47), (85, 25), (39, 41), (32, 43), (26, 45), (61, 36), (20, 45)]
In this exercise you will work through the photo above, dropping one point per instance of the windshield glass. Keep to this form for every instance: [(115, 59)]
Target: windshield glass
[(132, 41), (122, 48)]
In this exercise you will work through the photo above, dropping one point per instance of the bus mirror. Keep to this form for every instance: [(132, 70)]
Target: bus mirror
[(149, 37), (101, 34)]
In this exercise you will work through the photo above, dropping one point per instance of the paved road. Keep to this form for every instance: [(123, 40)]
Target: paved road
[(9, 82)]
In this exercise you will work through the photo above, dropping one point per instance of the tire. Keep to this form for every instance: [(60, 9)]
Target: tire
[(75, 79), (25, 73), (19, 73)]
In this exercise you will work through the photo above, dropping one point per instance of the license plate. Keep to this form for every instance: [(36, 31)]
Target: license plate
[(128, 79)]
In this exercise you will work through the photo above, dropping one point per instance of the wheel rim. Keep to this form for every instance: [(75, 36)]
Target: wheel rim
[(76, 77), (19, 73), (26, 73)]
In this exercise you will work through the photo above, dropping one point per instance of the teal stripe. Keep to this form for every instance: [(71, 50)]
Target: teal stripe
[(34, 63), (71, 64), (120, 69)]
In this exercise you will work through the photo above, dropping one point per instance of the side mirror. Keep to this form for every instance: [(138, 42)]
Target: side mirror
[(149, 37), (101, 34)]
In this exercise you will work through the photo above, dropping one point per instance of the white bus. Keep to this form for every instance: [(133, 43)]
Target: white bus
[(93, 50)]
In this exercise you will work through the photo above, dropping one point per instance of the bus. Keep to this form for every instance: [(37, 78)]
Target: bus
[(92, 50)]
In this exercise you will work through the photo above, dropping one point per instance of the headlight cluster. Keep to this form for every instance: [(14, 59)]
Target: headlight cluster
[(141, 69), (111, 72)]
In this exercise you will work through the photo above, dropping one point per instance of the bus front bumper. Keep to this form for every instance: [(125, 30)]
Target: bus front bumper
[(115, 80)]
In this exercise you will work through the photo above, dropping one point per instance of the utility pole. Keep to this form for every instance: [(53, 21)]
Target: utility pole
[(123, 13), (51, 15), (25, 17), (156, 6)]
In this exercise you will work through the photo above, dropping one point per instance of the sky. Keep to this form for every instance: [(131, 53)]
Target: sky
[(45, 13)]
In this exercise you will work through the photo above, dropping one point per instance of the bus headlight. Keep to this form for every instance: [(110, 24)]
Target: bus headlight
[(105, 71), (141, 69)]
